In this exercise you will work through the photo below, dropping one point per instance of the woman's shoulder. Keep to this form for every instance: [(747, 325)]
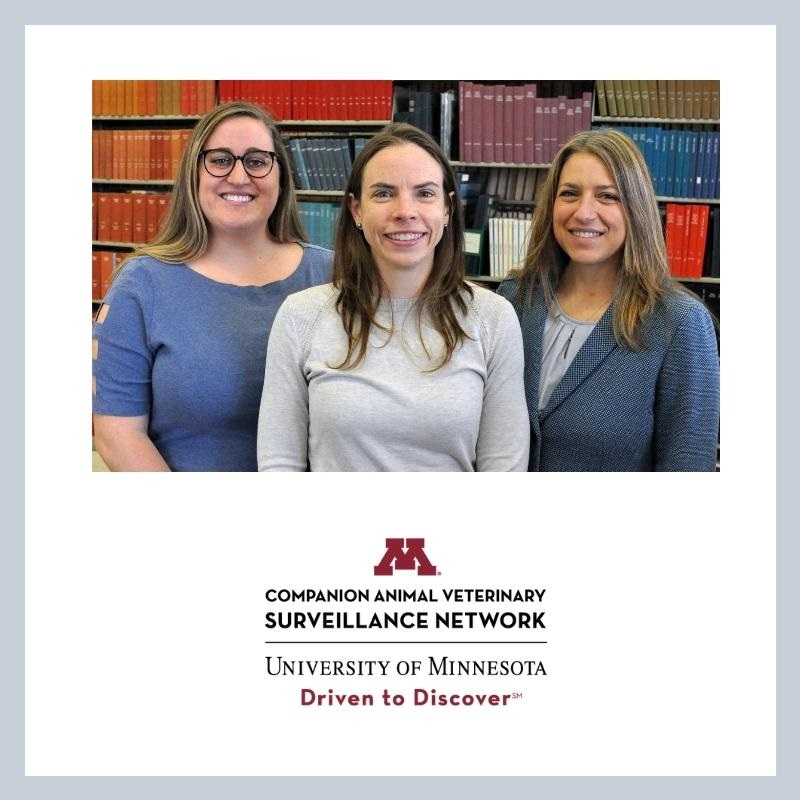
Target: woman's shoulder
[(508, 287), (681, 306), (310, 301), (144, 267), (140, 273), (316, 254), (491, 309), (316, 265)]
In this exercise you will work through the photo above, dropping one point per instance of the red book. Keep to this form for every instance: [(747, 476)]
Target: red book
[(137, 157), (499, 122), (151, 216), (586, 111), (174, 153), (553, 127), (106, 271), (153, 156), (312, 99), (387, 106), (477, 122), (547, 151), (116, 217), (94, 215), (487, 122), (117, 150), (352, 101), (130, 155), (698, 226), (538, 130), (163, 207), (577, 117), (465, 120), (372, 99), (139, 218), (184, 98), (193, 97), (508, 124), (96, 155), (702, 236), (151, 97), (126, 227), (569, 126), (529, 120), (210, 100), (107, 157), (129, 107), (97, 98), (105, 98), (165, 107), (561, 123), (299, 100), (336, 101), (670, 236), (104, 204), (139, 98), (680, 239), (95, 275), (225, 91), (518, 125)]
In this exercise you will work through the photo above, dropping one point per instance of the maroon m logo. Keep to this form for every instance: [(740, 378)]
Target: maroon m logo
[(412, 556)]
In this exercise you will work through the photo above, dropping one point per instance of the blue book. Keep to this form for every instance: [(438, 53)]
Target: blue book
[(300, 163), (713, 178), (651, 155), (663, 145), (680, 164), (700, 174), (691, 164), (672, 148)]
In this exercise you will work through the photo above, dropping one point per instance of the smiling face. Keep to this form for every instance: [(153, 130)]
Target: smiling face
[(238, 203), (588, 218), (402, 210)]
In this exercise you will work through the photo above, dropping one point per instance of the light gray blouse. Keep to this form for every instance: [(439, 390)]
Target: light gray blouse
[(563, 337)]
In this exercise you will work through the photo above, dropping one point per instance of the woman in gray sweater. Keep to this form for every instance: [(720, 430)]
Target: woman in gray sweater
[(399, 364)]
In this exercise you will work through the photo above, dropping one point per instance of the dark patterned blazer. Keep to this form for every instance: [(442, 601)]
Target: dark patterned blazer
[(618, 410)]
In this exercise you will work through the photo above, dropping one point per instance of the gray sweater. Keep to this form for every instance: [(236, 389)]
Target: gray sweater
[(392, 413)]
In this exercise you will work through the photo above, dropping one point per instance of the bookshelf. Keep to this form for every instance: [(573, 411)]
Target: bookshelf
[(139, 130), (499, 137)]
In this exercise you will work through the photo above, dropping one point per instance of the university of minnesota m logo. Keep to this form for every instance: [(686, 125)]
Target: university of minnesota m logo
[(405, 554)]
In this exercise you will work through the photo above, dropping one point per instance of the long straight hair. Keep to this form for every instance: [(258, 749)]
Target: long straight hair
[(358, 280), (644, 277)]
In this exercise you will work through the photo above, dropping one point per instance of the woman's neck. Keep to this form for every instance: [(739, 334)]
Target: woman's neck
[(585, 292), (246, 260)]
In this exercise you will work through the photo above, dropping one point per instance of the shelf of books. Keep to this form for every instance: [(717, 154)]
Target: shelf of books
[(500, 138)]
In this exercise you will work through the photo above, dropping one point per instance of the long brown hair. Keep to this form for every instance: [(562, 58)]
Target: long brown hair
[(184, 233), (358, 280), (644, 272)]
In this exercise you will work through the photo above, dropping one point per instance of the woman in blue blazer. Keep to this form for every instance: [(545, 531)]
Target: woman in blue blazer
[(621, 363)]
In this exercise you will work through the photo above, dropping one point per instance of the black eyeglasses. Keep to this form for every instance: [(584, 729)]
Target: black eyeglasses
[(256, 163)]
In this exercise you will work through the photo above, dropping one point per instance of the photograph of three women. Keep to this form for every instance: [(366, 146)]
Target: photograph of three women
[(230, 343)]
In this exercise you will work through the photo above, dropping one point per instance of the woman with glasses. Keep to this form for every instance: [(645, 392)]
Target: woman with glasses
[(180, 342), (399, 364)]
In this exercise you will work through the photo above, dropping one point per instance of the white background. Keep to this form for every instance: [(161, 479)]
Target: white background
[(144, 593)]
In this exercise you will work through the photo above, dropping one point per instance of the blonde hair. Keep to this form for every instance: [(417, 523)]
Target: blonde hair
[(184, 234)]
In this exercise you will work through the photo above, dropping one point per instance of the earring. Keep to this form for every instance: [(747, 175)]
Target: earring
[(358, 225), (445, 226)]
